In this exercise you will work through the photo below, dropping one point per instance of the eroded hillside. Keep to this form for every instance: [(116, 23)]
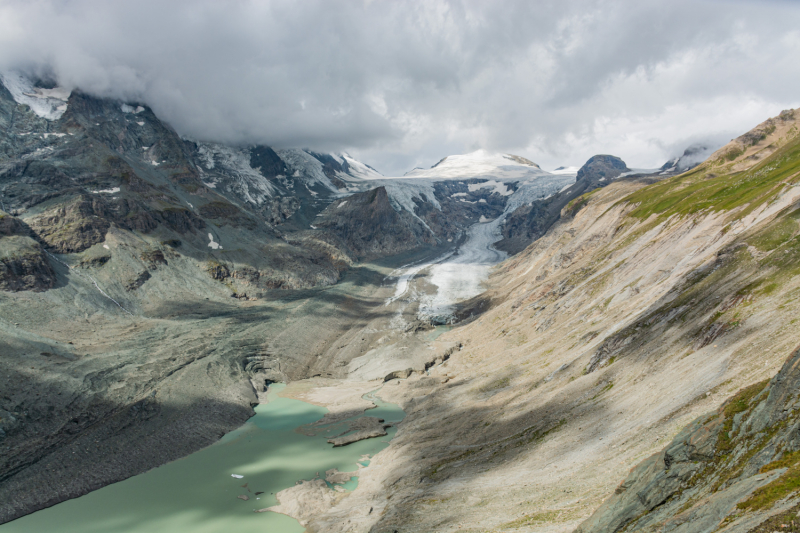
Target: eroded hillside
[(644, 307)]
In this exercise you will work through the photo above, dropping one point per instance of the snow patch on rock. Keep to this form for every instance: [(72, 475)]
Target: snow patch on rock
[(496, 186), (49, 104), (214, 246), (130, 109)]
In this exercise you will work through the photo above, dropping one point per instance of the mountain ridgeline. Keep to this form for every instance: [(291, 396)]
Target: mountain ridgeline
[(152, 287)]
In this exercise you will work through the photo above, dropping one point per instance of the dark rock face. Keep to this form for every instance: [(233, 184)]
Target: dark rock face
[(279, 210), (73, 227), (529, 222), (10, 226), (736, 466), (601, 167), (221, 210), (331, 166), (369, 226), (23, 263), (264, 159)]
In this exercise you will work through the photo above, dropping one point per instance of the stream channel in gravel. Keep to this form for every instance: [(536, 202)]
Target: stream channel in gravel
[(198, 494)]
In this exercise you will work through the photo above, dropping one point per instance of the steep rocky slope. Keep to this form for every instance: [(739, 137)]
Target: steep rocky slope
[(727, 471), (644, 307), (23, 264), (529, 222)]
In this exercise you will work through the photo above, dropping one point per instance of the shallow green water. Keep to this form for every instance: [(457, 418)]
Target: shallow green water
[(197, 494)]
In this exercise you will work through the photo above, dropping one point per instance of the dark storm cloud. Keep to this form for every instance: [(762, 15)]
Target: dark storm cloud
[(405, 83)]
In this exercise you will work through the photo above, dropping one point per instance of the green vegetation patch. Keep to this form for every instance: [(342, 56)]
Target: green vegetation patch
[(699, 189), (738, 404), (786, 522), (531, 519), (499, 383), (766, 496), (777, 234)]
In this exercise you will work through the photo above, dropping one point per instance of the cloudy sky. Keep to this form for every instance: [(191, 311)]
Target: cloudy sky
[(401, 84)]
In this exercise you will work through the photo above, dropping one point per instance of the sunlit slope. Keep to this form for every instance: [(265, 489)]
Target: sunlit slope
[(737, 178), (644, 307)]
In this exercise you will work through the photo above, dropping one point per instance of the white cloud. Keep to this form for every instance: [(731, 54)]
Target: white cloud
[(403, 84)]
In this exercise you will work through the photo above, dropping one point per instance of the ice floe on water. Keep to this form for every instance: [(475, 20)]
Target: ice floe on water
[(46, 103)]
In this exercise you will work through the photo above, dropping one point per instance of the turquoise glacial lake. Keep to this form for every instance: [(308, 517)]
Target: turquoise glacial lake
[(197, 494)]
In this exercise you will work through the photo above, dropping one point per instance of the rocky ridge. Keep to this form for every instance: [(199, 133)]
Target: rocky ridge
[(529, 222), (727, 471)]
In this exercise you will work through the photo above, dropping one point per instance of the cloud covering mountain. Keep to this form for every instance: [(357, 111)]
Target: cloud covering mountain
[(403, 84)]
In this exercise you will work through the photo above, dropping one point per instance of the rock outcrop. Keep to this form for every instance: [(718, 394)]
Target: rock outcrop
[(369, 225), (365, 427), (730, 470), (23, 263)]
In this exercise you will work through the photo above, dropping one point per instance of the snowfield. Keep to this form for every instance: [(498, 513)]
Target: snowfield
[(479, 164)]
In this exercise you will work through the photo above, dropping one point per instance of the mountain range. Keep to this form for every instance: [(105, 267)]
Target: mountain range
[(631, 365)]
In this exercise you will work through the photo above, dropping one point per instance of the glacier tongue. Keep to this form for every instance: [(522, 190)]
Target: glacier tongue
[(46, 103)]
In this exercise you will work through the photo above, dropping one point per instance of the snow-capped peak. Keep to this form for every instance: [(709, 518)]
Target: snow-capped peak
[(480, 163)]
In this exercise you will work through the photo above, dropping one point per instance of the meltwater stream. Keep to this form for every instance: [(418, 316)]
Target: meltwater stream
[(197, 494)]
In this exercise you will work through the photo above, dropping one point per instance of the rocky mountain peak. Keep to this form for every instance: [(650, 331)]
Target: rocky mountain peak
[(601, 167)]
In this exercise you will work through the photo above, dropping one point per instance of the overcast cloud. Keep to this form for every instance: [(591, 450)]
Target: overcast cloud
[(402, 84)]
